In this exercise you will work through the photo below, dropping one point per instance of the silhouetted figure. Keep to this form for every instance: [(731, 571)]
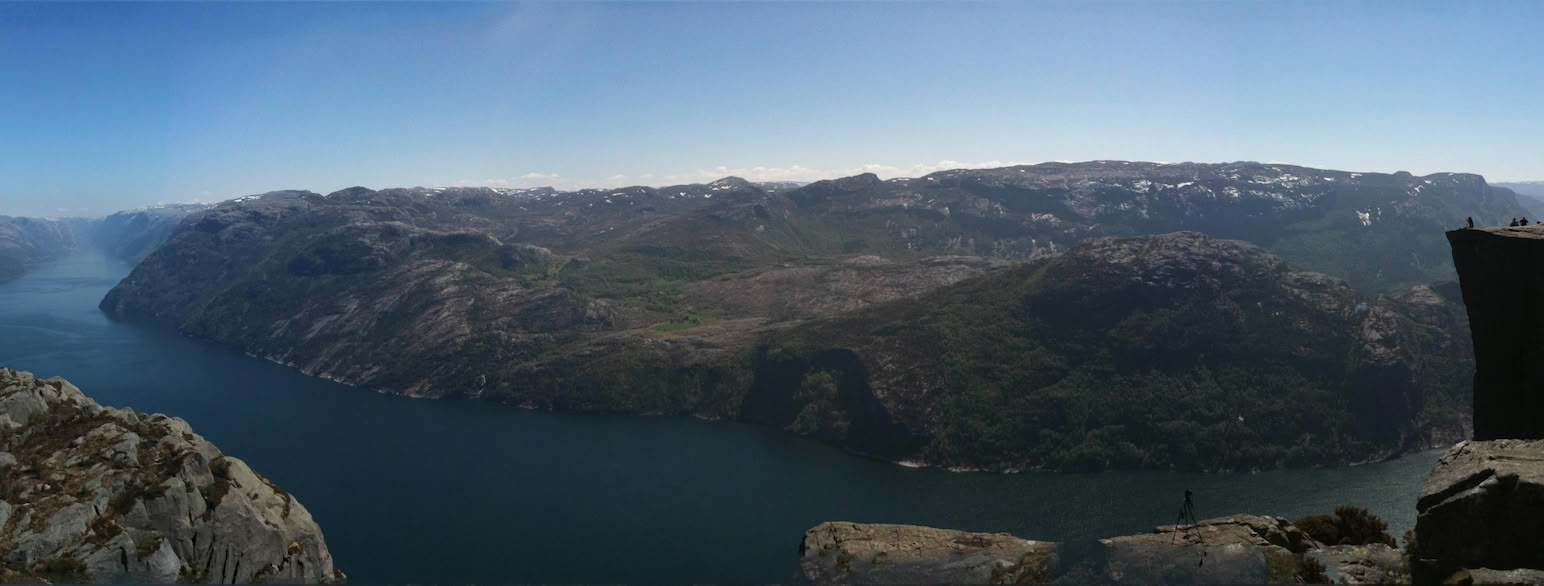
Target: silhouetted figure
[(1522, 222), (1514, 223), (1469, 223)]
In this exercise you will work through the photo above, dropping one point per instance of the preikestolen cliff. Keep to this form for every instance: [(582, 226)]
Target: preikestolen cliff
[(816, 293)]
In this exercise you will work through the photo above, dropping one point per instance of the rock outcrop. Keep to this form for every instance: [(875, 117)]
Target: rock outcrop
[(857, 553), (1501, 271), (96, 494), (1238, 549), (1482, 511)]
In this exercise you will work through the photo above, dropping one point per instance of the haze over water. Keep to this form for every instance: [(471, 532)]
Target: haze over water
[(453, 491)]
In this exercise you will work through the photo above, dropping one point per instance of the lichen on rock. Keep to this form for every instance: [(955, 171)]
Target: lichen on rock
[(96, 494)]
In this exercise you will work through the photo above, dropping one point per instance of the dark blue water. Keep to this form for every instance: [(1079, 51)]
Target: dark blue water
[(412, 490)]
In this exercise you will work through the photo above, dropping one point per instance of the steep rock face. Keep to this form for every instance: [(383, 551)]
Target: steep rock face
[(89, 493), (1502, 274), (1227, 356), (1239, 549), (1483, 508)]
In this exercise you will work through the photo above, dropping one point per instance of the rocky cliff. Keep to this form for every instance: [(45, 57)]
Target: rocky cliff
[(96, 494), (1502, 274), (1481, 514), (1240, 549)]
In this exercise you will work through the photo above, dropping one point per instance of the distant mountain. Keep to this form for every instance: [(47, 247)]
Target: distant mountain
[(132, 235), (1533, 188), (775, 186), (655, 300), (1378, 231), (1530, 194), (128, 235), (28, 241)]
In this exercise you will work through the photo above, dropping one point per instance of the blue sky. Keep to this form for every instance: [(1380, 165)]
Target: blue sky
[(112, 106)]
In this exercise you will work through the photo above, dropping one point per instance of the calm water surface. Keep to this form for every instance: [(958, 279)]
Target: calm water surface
[(412, 490)]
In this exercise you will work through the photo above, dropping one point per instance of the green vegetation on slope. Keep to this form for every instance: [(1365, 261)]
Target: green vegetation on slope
[(1214, 360)]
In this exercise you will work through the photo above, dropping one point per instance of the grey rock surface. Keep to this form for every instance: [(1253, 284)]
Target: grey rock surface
[(1226, 550), (1362, 564), (1483, 507), (104, 495)]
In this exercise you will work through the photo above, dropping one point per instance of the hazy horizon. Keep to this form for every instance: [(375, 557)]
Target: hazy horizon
[(882, 171)]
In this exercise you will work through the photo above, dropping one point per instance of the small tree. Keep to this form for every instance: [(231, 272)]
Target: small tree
[(1359, 527), (1322, 528), (1313, 571), (1348, 526)]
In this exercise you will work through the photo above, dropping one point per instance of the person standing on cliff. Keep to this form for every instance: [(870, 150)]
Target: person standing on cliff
[(1469, 223)]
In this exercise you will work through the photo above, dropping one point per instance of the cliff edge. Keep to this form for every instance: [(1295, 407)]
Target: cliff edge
[(1501, 273), (95, 494)]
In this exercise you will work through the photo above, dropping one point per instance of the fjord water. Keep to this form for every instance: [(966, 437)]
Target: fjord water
[(411, 490)]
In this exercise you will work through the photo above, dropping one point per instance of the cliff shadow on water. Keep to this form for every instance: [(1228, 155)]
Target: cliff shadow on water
[(825, 394)]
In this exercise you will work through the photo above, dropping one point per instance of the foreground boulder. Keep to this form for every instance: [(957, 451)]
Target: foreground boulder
[(857, 553), (95, 494), (1233, 549), (1481, 514)]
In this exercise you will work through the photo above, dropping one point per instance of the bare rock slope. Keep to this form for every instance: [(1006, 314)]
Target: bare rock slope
[(96, 494), (1237, 549)]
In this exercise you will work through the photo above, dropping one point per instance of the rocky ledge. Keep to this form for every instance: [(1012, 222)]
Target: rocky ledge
[(1239, 549), (1481, 514), (96, 494)]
